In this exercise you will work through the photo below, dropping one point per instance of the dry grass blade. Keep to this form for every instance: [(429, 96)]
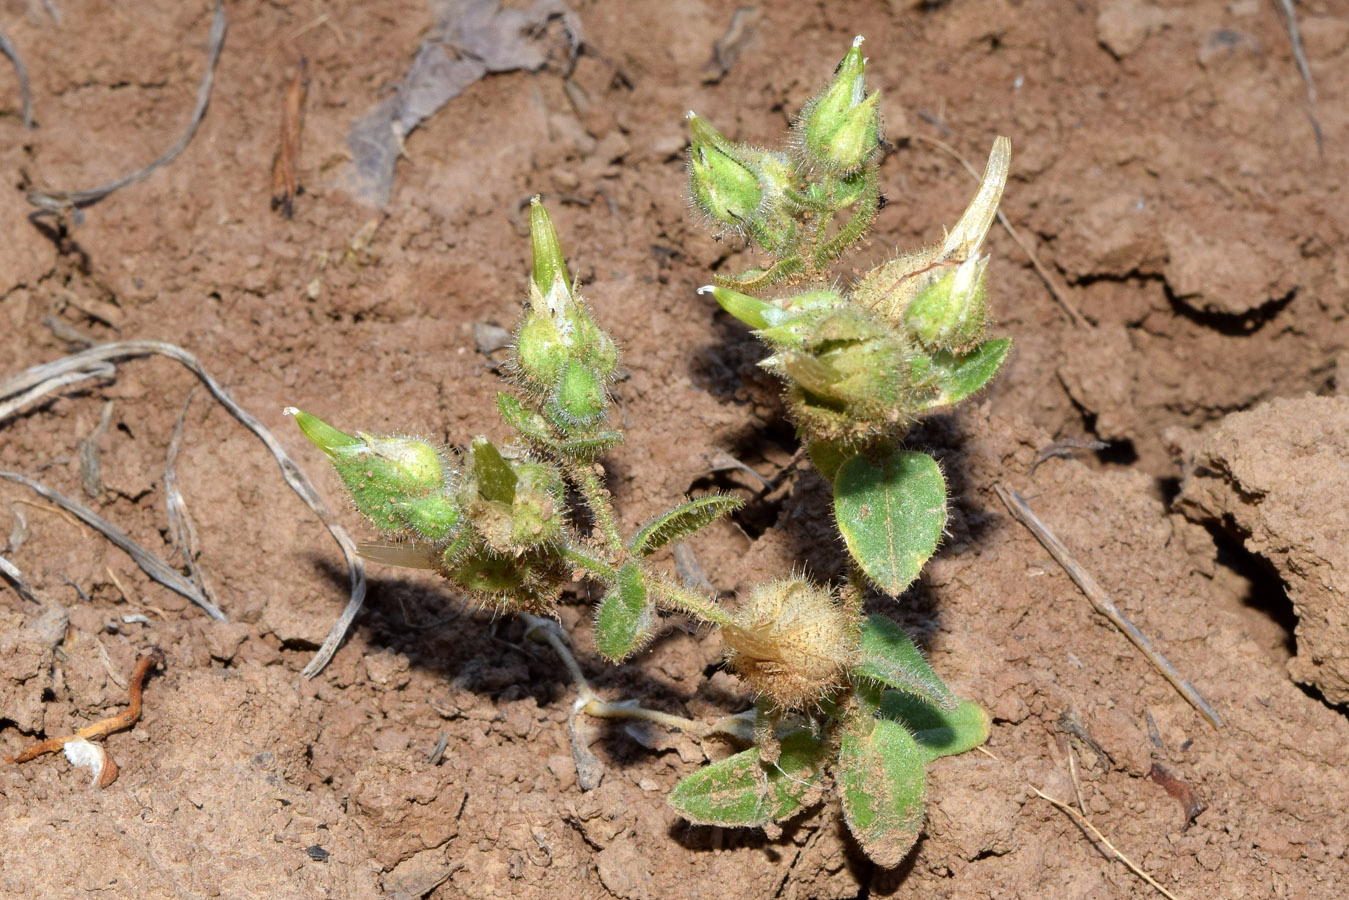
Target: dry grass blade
[(65, 200), (284, 179), (15, 577), (21, 72), (1102, 602), (18, 397), (33, 383), (150, 564), (181, 528), (1086, 825)]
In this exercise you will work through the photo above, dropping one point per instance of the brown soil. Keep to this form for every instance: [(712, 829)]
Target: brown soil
[(1165, 168)]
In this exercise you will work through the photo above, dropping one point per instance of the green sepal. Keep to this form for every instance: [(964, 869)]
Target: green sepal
[(882, 779), (537, 509), (888, 655), (550, 268), (742, 790), (496, 480), (527, 422), (939, 732), (960, 376), (891, 512), (580, 398), (626, 616), (752, 311), (588, 447), (680, 522)]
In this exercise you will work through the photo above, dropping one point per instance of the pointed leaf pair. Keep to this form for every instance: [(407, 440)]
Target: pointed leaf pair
[(680, 522), (891, 511), (742, 790), (886, 654)]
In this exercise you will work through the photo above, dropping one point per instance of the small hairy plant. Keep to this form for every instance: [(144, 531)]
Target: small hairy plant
[(847, 705)]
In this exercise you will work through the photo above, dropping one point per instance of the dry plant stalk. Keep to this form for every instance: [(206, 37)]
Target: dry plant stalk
[(107, 768)]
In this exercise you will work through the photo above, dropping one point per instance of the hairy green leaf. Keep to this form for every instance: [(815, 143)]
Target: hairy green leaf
[(888, 655), (891, 512), (939, 732), (741, 790), (626, 616), (827, 456), (882, 779), (680, 522), (961, 376)]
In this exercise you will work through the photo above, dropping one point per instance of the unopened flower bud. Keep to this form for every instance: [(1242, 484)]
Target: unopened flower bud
[(951, 313), (550, 268), (401, 484), (792, 641), (722, 185), (840, 130)]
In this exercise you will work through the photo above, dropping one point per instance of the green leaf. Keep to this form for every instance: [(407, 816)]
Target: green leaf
[(939, 732), (961, 376), (742, 791), (680, 522), (828, 457), (626, 616), (888, 655), (496, 479), (891, 512), (882, 779)]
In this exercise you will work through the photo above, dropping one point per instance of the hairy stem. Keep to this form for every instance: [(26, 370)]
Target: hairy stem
[(678, 598), (597, 498)]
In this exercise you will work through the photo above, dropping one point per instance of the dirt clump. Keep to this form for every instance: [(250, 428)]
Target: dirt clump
[(1276, 477)]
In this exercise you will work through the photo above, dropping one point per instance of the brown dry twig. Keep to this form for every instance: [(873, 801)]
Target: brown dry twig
[(1085, 824), (1102, 602), (1056, 289), (103, 727), (285, 186)]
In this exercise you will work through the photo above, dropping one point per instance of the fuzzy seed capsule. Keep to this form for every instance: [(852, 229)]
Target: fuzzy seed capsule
[(792, 641)]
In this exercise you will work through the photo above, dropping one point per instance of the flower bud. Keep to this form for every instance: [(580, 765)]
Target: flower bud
[(721, 184), (580, 398), (951, 313), (400, 484), (792, 641), (840, 130), (558, 330)]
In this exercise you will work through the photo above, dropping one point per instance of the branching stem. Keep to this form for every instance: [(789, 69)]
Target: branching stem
[(597, 498)]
